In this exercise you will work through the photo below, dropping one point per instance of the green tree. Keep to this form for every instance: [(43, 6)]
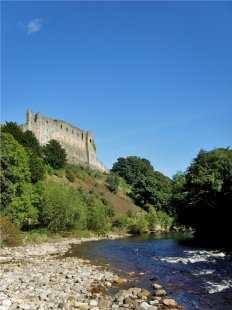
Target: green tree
[(37, 167), (132, 168), (178, 197), (28, 140), (54, 154), (153, 190), (31, 142), (17, 190), (208, 194), (15, 130)]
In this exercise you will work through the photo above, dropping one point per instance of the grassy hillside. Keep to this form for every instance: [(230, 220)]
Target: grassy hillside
[(94, 182)]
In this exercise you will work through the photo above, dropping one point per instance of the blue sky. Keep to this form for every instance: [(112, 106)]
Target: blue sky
[(151, 79)]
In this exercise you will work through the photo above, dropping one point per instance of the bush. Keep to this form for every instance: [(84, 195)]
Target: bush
[(113, 182), (70, 176), (120, 222), (9, 232), (138, 225), (63, 209), (99, 219)]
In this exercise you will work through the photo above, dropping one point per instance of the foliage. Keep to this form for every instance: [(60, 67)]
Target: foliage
[(149, 187), (99, 219), (158, 220), (37, 167), (63, 208), (132, 168), (153, 190), (28, 140), (6, 176), (39, 235), (31, 142), (17, 191), (14, 129), (113, 182), (204, 202), (120, 222), (80, 172), (9, 232), (69, 175), (138, 224), (54, 154)]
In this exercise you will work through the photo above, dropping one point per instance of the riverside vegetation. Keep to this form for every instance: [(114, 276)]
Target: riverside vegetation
[(42, 195)]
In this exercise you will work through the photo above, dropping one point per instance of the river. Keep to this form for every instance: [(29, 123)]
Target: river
[(196, 278)]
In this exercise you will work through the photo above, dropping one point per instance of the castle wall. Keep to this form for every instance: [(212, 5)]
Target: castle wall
[(78, 144)]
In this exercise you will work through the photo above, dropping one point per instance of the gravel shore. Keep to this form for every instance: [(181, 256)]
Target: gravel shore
[(38, 276)]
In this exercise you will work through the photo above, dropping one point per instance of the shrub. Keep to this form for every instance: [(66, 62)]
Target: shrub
[(63, 208), (99, 219), (9, 232), (120, 222), (70, 176), (138, 225), (113, 182)]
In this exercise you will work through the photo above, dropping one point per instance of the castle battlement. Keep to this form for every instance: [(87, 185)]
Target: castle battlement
[(79, 145)]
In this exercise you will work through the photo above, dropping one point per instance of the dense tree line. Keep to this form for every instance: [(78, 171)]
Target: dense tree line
[(199, 198), (149, 187), (202, 196)]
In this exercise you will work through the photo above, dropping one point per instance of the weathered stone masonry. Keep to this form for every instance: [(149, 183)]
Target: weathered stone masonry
[(78, 144)]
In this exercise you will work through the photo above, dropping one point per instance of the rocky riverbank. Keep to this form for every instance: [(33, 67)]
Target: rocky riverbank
[(40, 277)]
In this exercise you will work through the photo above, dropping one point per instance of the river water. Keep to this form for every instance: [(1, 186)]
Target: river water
[(196, 278)]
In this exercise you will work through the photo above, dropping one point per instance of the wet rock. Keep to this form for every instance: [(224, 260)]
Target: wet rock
[(169, 302), (143, 293), (160, 293), (181, 307), (120, 281), (157, 286)]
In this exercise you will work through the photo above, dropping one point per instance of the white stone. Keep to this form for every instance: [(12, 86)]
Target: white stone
[(144, 305), (93, 303), (6, 302)]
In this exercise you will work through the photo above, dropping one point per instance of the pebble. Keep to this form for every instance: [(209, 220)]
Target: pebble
[(169, 302), (40, 277), (160, 292)]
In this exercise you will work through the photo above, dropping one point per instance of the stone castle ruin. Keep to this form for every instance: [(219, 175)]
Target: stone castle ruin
[(79, 145)]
